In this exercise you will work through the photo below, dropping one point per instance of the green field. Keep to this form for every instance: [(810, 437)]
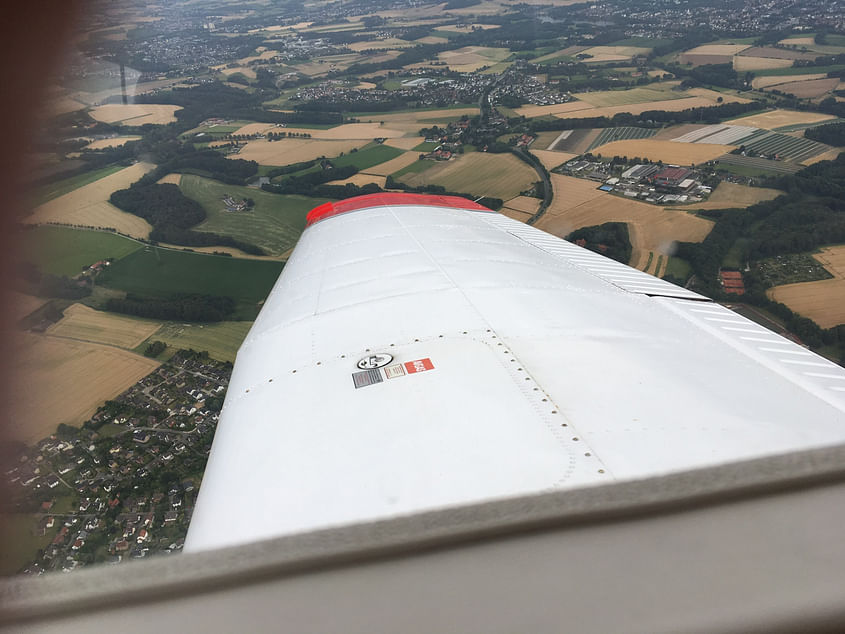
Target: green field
[(429, 146), (59, 188), (161, 272), (414, 168), (678, 268), (274, 224), (65, 251), (799, 70), (369, 156), (220, 340)]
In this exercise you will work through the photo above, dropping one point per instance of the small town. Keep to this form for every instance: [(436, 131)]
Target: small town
[(123, 486)]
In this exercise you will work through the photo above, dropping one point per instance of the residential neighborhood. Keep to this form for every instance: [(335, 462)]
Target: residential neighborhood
[(123, 486)]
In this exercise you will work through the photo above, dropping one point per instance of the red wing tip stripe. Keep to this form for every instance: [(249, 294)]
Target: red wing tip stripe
[(327, 210)]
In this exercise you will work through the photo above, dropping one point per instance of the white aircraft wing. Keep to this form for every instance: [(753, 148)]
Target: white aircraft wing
[(496, 361)]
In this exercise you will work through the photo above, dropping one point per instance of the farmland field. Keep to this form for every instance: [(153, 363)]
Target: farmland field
[(362, 178), (551, 159), (112, 142), (86, 324), (162, 272), (288, 151), (347, 131), (728, 195), (274, 224), (666, 151), (581, 109), (577, 203), (779, 118), (405, 143), (822, 301), (604, 98), (608, 135), (220, 340), (393, 165), (64, 251), (496, 175), (64, 381), (368, 157), (742, 63), (67, 185), (785, 146), (613, 53), (88, 205), (521, 208), (809, 88), (772, 81), (135, 113)]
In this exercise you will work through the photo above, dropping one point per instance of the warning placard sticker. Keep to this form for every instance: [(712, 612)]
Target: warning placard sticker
[(394, 371), (420, 365)]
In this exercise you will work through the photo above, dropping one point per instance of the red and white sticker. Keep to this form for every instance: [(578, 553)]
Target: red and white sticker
[(420, 365)]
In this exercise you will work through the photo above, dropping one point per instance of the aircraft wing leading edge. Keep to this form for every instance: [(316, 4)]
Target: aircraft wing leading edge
[(423, 352)]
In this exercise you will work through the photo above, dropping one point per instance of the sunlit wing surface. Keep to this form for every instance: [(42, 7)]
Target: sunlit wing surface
[(521, 363)]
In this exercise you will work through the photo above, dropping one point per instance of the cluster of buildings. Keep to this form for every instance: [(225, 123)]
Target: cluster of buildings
[(675, 18), (519, 84), (123, 486), (652, 182)]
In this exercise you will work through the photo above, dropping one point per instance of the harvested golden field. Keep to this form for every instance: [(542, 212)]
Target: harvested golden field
[(544, 140), (393, 165), (287, 151), (666, 151), (173, 179), (743, 63), (581, 109), (717, 49), (113, 142), (810, 89), (361, 131), (365, 85), (554, 109), (23, 305), (675, 131), (779, 118), (521, 207), (135, 113), (86, 324), (405, 143), (497, 175), (650, 228), (431, 39), (64, 381), (89, 205), (62, 105), (822, 301), (362, 179), (471, 58), (571, 192), (551, 159), (568, 51), (243, 70), (728, 195), (613, 53), (602, 98), (416, 116), (766, 82)]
